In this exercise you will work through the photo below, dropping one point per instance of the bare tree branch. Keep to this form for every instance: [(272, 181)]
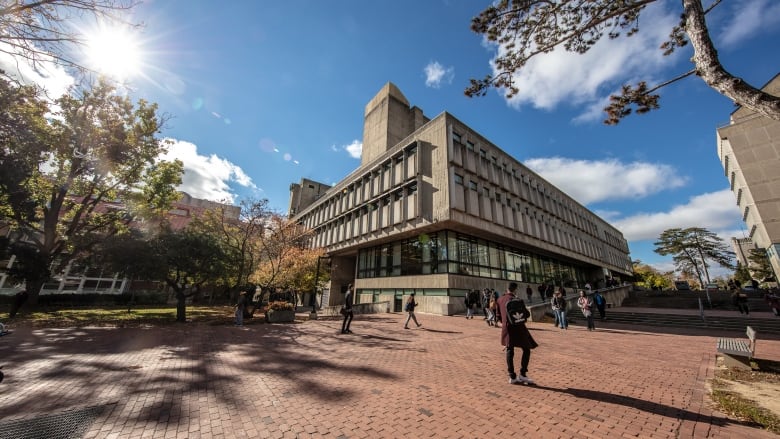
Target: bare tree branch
[(525, 29)]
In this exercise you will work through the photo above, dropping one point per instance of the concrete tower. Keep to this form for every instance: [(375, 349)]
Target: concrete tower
[(388, 119)]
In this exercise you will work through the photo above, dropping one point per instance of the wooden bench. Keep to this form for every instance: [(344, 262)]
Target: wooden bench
[(738, 352)]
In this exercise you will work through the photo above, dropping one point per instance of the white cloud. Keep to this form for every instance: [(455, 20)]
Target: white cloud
[(590, 181), (355, 149), (207, 177), (53, 78), (436, 73), (557, 77), (749, 18), (715, 211)]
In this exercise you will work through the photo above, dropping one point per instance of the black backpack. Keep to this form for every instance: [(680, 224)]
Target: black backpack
[(515, 311)]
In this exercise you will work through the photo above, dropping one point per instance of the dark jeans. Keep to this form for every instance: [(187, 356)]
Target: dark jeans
[(510, 361), (602, 310), (591, 325), (347, 321)]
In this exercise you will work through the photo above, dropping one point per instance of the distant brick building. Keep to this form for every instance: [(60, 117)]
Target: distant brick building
[(182, 212)]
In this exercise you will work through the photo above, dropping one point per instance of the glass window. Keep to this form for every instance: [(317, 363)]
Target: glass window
[(472, 185), (428, 254), (470, 146), (456, 137), (458, 179)]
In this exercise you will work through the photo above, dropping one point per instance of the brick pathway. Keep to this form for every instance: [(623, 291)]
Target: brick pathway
[(305, 380)]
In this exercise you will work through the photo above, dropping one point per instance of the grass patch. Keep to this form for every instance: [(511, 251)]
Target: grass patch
[(120, 316), (735, 404)]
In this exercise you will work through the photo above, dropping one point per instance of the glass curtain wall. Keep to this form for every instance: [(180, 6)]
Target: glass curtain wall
[(450, 252)]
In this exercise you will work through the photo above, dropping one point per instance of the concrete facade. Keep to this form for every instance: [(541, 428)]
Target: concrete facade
[(749, 151), (437, 209), (305, 193)]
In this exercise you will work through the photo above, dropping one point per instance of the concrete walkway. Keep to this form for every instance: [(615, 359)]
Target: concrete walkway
[(446, 380)]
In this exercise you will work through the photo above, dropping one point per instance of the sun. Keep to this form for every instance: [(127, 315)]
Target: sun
[(113, 51)]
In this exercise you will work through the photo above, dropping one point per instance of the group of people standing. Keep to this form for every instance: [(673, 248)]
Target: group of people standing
[(511, 312), (486, 299)]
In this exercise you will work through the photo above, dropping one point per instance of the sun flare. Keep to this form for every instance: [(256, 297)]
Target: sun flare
[(114, 52)]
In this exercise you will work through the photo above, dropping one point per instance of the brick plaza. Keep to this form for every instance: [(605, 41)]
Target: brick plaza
[(446, 380)]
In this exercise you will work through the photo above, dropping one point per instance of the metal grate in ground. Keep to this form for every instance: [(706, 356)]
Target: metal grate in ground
[(71, 424)]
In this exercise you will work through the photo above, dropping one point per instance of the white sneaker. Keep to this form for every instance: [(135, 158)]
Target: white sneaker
[(525, 380)]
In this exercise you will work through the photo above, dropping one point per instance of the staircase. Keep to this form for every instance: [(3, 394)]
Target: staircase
[(736, 323)]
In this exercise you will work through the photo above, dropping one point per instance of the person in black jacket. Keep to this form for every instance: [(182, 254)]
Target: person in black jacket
[(349, 299), (515, 335), (409, 308)]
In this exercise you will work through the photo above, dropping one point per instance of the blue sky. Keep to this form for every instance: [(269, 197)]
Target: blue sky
[(263, 93)]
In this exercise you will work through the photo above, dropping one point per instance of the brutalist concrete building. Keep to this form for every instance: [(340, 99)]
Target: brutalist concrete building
[(437, 209), (749, 150)]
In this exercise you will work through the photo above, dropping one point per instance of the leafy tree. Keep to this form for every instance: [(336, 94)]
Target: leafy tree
[(742, 274), (240, 239), (759, 265), (301, 270), (73, 179), (692, 248), (130, 255), (280, 243), (43, 31), (529, 28), (649, 277), (186, 261)]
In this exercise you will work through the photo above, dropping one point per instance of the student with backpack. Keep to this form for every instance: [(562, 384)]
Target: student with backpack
[(601, 304), (409, 308), (513, 314)]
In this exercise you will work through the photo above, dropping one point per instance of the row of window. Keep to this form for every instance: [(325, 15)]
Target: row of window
[(365, 191), (513, 180), (455, 253), (393, 209)]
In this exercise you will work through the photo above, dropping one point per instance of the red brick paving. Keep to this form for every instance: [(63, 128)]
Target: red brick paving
[(446, 380)]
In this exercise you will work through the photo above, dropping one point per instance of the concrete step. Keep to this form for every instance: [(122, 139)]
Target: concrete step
[(736, 323)]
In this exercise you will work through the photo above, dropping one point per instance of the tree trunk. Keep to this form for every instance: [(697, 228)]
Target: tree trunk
[(181, 307), (33, 291), (709, 68)]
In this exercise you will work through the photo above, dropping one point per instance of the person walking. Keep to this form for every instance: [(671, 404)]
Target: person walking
[(601, 304), (346, 309), (586, 305), (240, 307), (409, 308), (740, 300), (542, 291), (470, 304), (559, 304), (491, 309), (513, 314), (530, 293), (486, 294)]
